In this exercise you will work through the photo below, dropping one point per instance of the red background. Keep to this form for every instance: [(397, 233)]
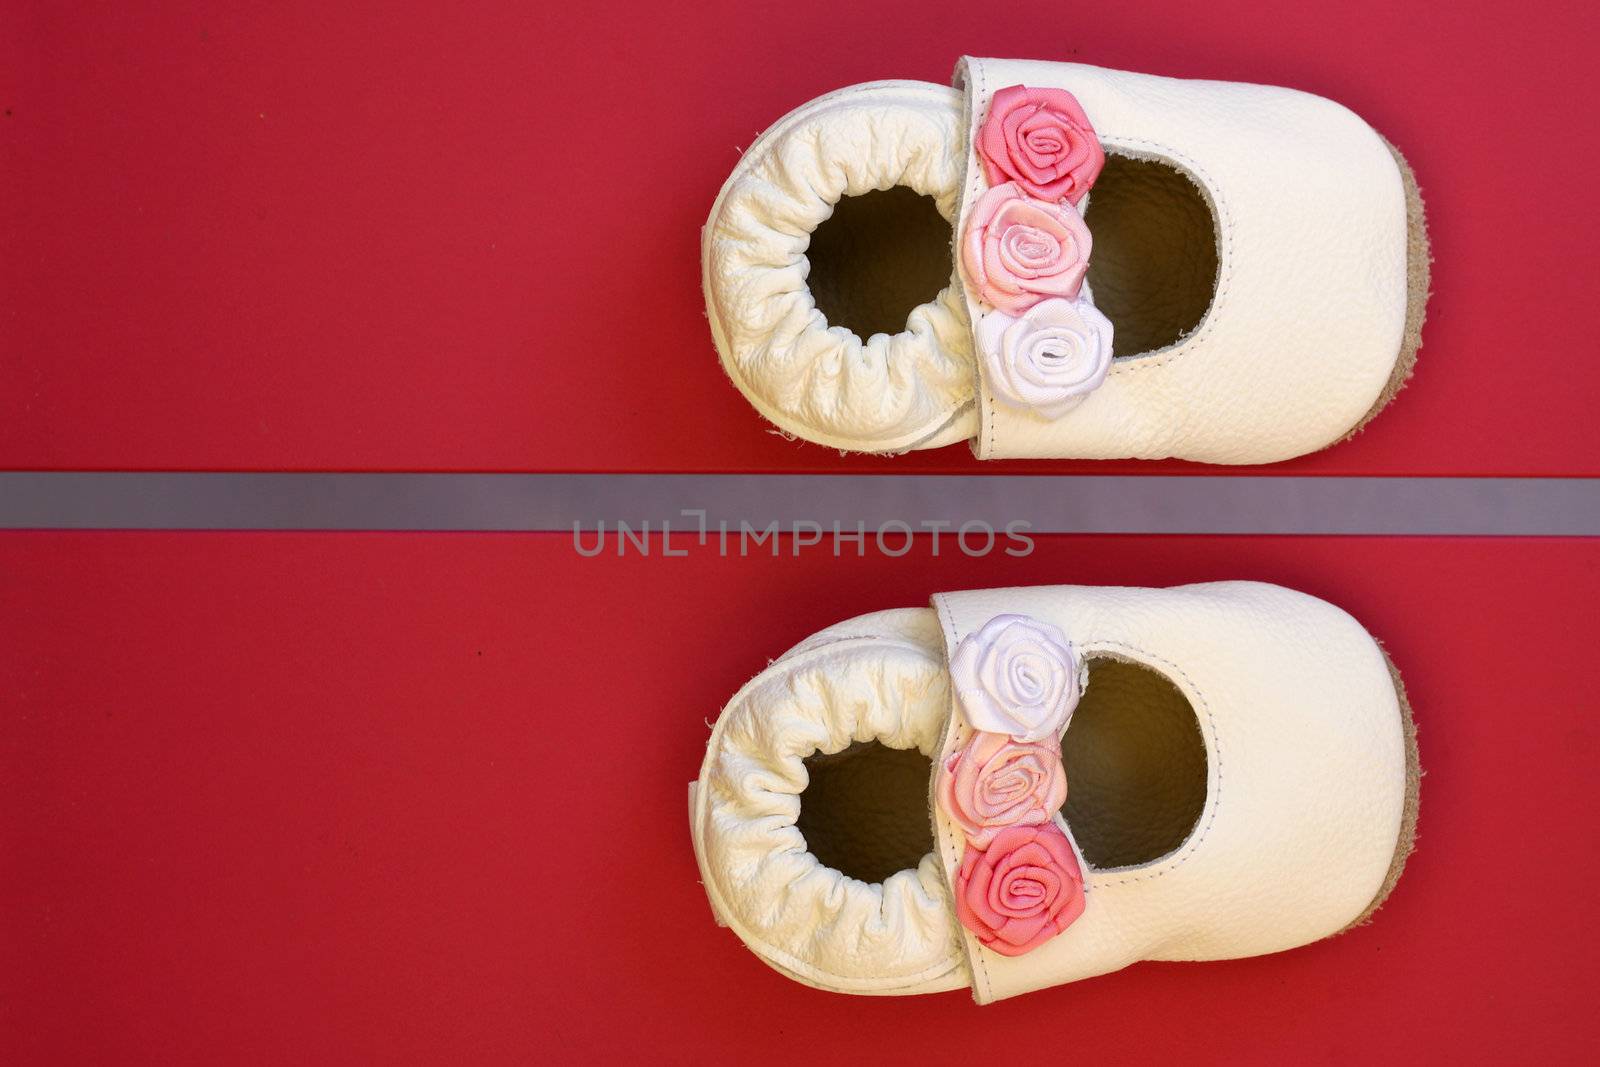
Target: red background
[(465, 236), (421, 798), (312, 798)]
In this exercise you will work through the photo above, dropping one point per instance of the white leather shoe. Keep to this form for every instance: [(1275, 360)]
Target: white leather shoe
[(1238, 763), (1258, 260)]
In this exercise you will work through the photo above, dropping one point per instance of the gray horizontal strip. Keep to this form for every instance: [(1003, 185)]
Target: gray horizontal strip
[(1047, 504)]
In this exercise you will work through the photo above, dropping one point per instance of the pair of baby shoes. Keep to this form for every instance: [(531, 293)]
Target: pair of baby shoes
[(1018, 788), (1141, 267)]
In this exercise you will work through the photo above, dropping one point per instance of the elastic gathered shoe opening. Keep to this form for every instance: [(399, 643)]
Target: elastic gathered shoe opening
[(1136, 766), (864, 811), (877, 258), (857, 339), (1153, 269)]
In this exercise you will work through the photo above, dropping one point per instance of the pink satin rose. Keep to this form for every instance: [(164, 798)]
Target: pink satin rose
[(1018, 251), (995, 782), (1021, 891), (1042, 140)]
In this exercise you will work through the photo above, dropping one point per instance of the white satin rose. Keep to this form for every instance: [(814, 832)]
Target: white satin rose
[(1016, 676), (1047, 359)]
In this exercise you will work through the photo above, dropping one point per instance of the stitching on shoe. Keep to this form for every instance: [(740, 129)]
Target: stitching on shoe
[(976, 93), (734, 359), (1191, 846), (980, 967), (1225, 222), (988, 428), (1127, 365), (713, 878)]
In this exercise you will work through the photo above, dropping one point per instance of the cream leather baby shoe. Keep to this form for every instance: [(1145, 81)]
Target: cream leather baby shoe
[(1113, 775), (1143, 267)]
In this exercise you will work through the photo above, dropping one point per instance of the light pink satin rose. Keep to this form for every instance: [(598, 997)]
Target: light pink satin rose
[(1018, 251), (1022, 890), (995, 782), (1042, 140)]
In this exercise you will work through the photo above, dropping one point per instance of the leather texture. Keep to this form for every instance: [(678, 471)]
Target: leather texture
[(1310, 302), (1305, 763), (1154, 269), (1305, 326), (1137, 763), (889, 392), (1305, 781), (881, 677)]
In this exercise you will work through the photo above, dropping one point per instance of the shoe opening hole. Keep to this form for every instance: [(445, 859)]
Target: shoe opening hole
[(1136, 766), (864, 811), (877, 258), (1154, 264)]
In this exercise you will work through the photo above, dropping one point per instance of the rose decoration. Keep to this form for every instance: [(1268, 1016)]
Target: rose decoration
[(1042, 347), (1016, 676), (1048, 359), (995, 782), (1016, 683), (1022, 890), (1018, 251), (1025, 251), (1042, 140)]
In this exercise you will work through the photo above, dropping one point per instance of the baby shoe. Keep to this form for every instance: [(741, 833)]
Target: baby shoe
[(1143, 267), (1113, 775)]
